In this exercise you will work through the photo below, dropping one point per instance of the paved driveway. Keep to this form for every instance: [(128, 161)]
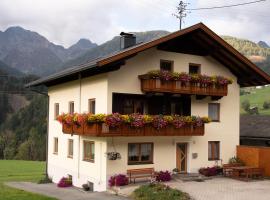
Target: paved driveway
[(63, 193), (225, 189)]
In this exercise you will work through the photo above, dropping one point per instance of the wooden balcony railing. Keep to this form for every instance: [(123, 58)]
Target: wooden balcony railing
[(102, 130), (178, 87)]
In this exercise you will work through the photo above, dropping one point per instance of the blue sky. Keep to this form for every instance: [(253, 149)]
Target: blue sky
[(66, 21)]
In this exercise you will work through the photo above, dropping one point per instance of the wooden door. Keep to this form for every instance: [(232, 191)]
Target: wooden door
[(181, 157)]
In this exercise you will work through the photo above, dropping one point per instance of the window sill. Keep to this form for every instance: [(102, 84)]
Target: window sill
[(71, 157), (218, 159), (141, 163), (55, 153), (215, 121), (86, 160)]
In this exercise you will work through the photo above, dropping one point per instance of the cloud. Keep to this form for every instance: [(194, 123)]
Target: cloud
[(66, 21)]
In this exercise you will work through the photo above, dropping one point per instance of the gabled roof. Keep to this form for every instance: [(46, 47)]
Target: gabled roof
[(197, 39)]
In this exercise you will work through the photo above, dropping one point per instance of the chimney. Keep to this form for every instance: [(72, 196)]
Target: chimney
[(127, 40)]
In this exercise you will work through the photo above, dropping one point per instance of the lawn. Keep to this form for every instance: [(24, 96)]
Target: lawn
[(257, 98), (15, 170)]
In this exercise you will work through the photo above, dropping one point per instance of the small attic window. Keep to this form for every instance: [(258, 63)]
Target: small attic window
[(166, 65), (194, 68)]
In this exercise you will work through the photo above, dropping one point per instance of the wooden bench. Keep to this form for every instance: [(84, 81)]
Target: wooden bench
[(140, 173), (227, 168)]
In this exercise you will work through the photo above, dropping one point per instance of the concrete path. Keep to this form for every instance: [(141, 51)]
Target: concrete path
[(71, 193)]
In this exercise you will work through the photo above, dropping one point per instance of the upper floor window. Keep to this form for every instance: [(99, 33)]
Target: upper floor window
[(214, 111), (92, 106), (55, 145), (88, 151), (166, 65), (213, 150), (194, 68), (70, 148), (71, 107), (56, 110), (140, 153)]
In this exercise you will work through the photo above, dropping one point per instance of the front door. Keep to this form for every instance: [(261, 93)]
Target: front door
[(181, 157)]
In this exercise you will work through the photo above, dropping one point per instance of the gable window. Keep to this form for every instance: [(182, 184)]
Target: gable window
[(55, 145), (70, 148), (214, 111), (140, 153), (71, 107), (166, 65), (56, 110), (88, 151), (92, 106), (194, 68), (213, 150)]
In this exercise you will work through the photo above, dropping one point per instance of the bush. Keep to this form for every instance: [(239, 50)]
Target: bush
[(45, 180), (118, 180), (235, 159), (65, 182), (246, 105), (266, 105), (158, 192), (163, 176), (210, 171)]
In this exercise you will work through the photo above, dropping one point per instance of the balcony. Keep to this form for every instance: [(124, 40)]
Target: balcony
[(183, 83), (111, 125), (102, 130)]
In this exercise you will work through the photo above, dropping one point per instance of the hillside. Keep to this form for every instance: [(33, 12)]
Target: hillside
[(256, 97)]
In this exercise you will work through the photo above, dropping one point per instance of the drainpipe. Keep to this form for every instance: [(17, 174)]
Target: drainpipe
[(79, 142)]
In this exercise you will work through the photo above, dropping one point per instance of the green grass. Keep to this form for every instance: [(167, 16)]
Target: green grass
[(15, 170), (158, 192), (256, 98)]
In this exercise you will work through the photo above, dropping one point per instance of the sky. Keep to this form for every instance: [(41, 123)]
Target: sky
[(64, 22)]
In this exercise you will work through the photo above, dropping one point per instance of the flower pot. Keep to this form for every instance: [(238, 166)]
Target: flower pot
[(127, 130), (67, 128), (92, 129), (78, 129)]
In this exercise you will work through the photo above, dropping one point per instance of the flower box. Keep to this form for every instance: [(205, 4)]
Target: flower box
[(67, 128), (78, 129), (132, 131), (92, 129)]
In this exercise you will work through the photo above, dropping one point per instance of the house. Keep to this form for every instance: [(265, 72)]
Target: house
[(121, 83), (255, 130)]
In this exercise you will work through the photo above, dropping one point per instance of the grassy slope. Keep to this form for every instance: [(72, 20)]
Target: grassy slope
[(14, 170), (256, 98)]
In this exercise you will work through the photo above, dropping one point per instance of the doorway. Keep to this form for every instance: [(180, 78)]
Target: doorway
[(181, 157)]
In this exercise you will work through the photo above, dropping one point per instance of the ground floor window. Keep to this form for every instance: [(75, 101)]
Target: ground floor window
[(55, 145), (213, 150), (140, 153), (88, 151), (70, 148)]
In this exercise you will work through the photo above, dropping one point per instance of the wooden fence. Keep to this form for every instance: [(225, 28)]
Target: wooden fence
[(255, 156)]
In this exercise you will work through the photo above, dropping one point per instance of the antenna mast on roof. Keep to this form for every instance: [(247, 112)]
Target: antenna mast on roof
[(181, 12)]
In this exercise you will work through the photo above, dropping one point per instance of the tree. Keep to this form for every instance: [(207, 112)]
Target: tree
[(266, 105)]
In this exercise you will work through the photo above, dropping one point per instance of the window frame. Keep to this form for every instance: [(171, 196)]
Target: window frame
[(194, 65), (90, 109), (214, 144), (69, 148), (151, 161), (69, 107), (167, 61), (56, 110), (218, 111), (55, 145), (91, 159)]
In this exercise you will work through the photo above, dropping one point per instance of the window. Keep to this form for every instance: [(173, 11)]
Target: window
[(70, 148), (194, 68), (140, 153), (56, 110), (71, 107), (166, 65), (213, 150), (88, 151), (92, 106), (55, 145), (214, 111)]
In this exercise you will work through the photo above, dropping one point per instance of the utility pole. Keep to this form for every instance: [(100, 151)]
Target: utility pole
[(181, 13)]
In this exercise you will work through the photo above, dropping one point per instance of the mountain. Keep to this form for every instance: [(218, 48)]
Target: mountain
[(5, 69), (263, 44), (32, 53)]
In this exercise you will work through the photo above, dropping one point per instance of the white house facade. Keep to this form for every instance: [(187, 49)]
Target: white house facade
[(119, 89)]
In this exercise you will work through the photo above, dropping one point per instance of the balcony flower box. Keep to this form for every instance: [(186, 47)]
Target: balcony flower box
[(132, 131), (67, 128), (78, 129), (92, 129)]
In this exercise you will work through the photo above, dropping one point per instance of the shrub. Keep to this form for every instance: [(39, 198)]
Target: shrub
[(65, 182), (245, 105), (266, 105), (45, 180), (235, 159), (118, 180), (163, 176)]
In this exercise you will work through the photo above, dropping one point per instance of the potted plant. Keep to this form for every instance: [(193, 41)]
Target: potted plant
[(113, 155), (175, 171)]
